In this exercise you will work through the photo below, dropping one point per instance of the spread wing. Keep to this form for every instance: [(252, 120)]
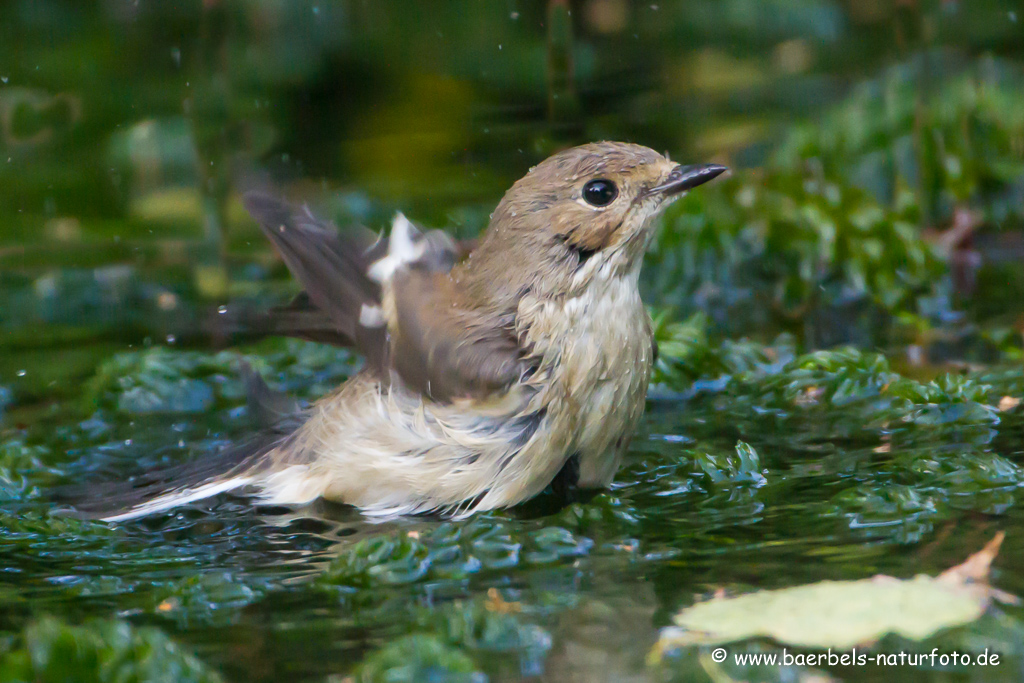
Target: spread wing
[(393, 300), (330, 267)]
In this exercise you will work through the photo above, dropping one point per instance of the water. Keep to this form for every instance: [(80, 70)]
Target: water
[(261, 594), (879, 175)]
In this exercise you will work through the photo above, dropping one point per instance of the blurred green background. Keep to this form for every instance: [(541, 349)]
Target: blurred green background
[(878, 149), (840, 320)]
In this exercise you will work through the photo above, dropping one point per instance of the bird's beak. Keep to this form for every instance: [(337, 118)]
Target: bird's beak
[(683, 178)]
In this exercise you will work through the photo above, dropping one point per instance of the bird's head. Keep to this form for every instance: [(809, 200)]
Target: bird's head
[(579, 216)]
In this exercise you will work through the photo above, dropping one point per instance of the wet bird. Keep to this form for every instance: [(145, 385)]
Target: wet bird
[(487, 379)]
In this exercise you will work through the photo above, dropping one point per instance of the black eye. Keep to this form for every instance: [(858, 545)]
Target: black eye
[(600, 192)]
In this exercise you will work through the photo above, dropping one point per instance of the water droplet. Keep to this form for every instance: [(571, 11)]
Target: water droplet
[(4, 79), (222, 310), (22, 373), (127, 442), (499, 46), (171, 339), (514, 16)]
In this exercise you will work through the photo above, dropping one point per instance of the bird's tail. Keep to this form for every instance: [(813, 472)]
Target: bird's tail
[(249, 463), (234, 468)]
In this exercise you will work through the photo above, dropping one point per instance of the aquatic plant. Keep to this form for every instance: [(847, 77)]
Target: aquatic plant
[(50, 651)]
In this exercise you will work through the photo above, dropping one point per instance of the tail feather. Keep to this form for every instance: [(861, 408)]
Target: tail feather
[(231, 469), (176, 498)]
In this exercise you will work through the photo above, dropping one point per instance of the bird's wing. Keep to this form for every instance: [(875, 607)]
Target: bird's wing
[(393, 300), (446, 350), (330, 267), (302, 319)]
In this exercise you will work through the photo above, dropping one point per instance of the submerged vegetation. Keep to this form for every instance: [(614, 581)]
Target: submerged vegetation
[(104, 652), (838, 392), (736, 429)]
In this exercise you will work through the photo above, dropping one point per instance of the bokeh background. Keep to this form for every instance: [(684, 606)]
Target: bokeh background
[(866, 136), (876, 206)]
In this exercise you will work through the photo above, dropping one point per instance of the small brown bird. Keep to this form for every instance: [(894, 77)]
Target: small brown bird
[(487, 380)]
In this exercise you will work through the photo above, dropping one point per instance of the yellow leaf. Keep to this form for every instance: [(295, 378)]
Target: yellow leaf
[(842, 614)]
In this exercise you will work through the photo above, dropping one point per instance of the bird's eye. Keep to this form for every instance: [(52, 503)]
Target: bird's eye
[(600, 192)]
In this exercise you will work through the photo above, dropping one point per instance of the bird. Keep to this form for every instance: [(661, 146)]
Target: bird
[(489, 378)]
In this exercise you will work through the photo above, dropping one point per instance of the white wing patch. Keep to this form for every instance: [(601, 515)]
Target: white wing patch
[(371, 316), (404, 246)]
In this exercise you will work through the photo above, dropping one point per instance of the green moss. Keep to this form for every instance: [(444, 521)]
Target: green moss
[(459, 641), (950, 145), (689, 360), (23, 469), (418, 658), (163, 380), (919, 448), (215, 597), (778, 249), (744, 468), (31, 527), (50, 651), (827, 241), (450, 550)]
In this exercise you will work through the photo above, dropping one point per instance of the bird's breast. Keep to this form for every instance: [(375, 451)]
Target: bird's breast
[(597, 351)]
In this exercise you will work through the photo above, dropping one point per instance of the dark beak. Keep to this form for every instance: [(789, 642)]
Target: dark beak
[(683, 178)]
